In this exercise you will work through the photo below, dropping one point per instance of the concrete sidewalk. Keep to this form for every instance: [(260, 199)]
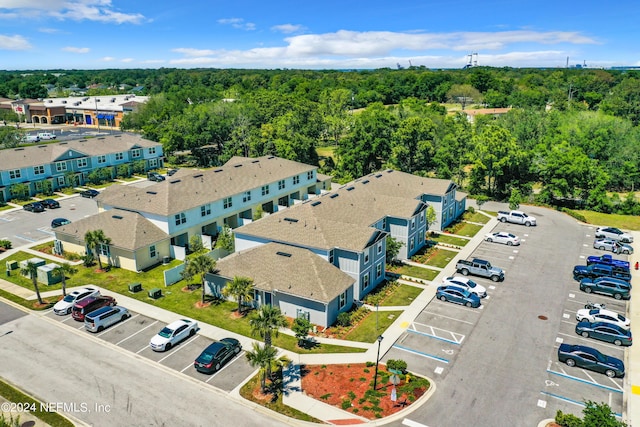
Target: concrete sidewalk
[(632, 361)]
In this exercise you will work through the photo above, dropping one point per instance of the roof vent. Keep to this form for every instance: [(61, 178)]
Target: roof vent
[(116, 217), (218, 170), (283, 254), (333, 196), (378, 175), (350, 188), (316, 203), (175, 181), (152, 192), (271, 157), (19, 149), (291, 219), (366, 181), (237, 166), (255, 161), (197, 176)]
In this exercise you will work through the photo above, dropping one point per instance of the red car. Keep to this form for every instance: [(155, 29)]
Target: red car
[(87, 305)]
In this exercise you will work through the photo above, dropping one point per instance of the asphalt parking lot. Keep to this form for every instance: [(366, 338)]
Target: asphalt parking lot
[(135, 333)]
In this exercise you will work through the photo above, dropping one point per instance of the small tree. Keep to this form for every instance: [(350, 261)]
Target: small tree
[(95, 240), (397, 365), (225, 239), (481, 200), (240, 288), (262, 357), (301, 327), (195, 243), (31, 270), (266, 322), (258, 213), (19, 191), (431, 216), (201, 264), (514, 199), (393, 249), (61, 271)]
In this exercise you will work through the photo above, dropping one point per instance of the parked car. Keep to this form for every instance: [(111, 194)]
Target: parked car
[(503, 237), (100, 319), (87, 305), (479, 267), (216, 355), (46, 135), (30, 138), (34, 207), (465, 283), (590, 358), (604, 332), (155, 176), (619, 289), (516, 217), (603, 315), (613, 233), (59, 222), (458, 296), (607, 259), (50, 203), (65, 305), (599, 270), (613, 246), (90, 194), (173, 333)]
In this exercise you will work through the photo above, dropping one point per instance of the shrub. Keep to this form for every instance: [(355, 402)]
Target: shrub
[(575, 214), (567, 420), (346, 404), (344, 319), (326, 396), (5, 244), (370, 364), (397, 365)]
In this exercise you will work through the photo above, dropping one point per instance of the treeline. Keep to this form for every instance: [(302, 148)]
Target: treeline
[(571, 137)]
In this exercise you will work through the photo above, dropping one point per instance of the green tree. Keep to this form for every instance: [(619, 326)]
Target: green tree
[(31, 270), (301, 327), (10, 137), (496, 154), (464, 94), (201, 264), (241, 289), (431, 216), (413, 145), (393, 249), (195, 243), (19, 191), (262, 357), (96, 241), (62, 270), (514, 199), (266, 322), (225, 239)]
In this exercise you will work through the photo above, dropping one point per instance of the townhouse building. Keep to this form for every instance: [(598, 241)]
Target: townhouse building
[(68, 163)]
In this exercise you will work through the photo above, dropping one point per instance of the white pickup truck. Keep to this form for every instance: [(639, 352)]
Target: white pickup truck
[(516, 217)]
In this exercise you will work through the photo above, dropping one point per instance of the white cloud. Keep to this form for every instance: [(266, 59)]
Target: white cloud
[(73, 49), (49, 30), (77, 10), (107, 59), (194, 52), (16, 42), (127, 60), (288, 28), (238, 23)]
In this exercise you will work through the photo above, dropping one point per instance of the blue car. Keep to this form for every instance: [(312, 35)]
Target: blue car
[(458, 295), (604, 332), (590, 358)]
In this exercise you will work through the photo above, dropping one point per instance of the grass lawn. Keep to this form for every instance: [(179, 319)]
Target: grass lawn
[(441, 257), (413, 271), (476, 217), (16, 396), (464, 229), (446, 238), (366, 330), (5, 208), (403, 295), (625, 222), (219, 313)]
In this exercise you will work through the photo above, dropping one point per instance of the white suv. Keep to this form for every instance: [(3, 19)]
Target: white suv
[(46, 135), (65, 305)]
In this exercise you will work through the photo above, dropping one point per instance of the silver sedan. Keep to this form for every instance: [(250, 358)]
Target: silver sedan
[(503, 237), (613, 246)]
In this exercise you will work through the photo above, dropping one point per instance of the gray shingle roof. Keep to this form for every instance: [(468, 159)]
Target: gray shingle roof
[(36, 155), (178, 194), (127, 230), (300, 272), (401, 184)]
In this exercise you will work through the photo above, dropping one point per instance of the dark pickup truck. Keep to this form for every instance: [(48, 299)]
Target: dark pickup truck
[(607, 259), (594, 271)]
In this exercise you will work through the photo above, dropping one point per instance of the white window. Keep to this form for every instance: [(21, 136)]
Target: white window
[(310, 175), (38, 170), (227, 203), (422, 217), (119, 156), (366, 259), (153, 163), (14, 174), (343, 299), (61, 182), (205, 210), (296, 180), (135, 153), (246, 197), (82, 163), (379, 247), (103, 249), (378, 270), (38, 185), (331, 257), (152, 150), (152, 251), (61, 166), (412, 243), (180, 218), (281, 184), (265, 190), (384, 223), (365, 282), (413, 223), (102, 159)]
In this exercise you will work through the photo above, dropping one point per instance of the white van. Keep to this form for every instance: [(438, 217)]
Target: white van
[(31, 138), (102, 318), (46, 135)]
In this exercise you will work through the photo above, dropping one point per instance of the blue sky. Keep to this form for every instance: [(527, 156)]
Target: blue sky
[(328, 34)]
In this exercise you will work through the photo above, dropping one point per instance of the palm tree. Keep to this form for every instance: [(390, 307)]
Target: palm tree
[(267, 321), (262, 357), (62, 271), (201, 264), (241, 288), (93, 240), (102, 240), (31, 270)]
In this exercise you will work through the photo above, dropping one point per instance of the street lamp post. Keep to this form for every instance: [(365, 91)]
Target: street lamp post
[(375, 377)]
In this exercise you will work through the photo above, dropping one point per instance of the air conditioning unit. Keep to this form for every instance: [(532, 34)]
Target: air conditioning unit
[(155, 293), (135, 287)]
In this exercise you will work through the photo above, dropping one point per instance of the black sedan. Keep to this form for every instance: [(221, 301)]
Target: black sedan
[(217, 354), (50, 203), (34, 207), (59, 222), (89, 194), (590, 358)]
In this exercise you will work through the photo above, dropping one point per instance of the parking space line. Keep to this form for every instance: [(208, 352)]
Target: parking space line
[(435, 336), (180, 347), (445, 317), (116, 325), (571, 377), (187, 367), (581, 338), (420, 353), (132, 335), (575, 402)]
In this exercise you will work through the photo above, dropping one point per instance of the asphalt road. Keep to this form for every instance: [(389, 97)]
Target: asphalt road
[(105, 386)]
